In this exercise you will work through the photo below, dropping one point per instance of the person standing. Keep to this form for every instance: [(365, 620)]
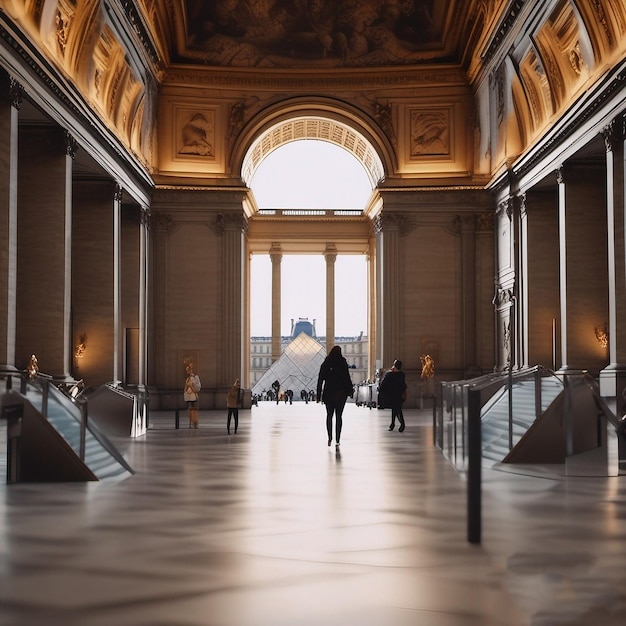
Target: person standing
[(334, 385), (232, 404), (190, 395), (393, 388)]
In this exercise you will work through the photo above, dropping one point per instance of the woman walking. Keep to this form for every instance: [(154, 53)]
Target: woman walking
[(334, 385)]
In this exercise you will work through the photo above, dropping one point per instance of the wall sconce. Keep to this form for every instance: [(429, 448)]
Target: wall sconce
[(602, 336), (81, 346)]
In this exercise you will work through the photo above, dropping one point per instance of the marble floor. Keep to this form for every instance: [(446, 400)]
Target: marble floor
[(271, 527)]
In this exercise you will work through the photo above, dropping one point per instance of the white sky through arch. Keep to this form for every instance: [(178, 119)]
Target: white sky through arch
[(310, 174)]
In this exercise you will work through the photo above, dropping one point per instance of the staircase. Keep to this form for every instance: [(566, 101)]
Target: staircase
[(495, 415), (101, 457)]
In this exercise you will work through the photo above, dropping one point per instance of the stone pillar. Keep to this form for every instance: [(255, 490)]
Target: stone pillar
[(522, 284), (562, 266), (330, 255), (232, 298), (276, 256), (613, 377), (118, 353), (10, 101), (372, 310), (389, 263), (44, 240), (504, 297), (144, 265), (468, 286)]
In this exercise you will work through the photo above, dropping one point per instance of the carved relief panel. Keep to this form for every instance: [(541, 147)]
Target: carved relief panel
[(193, 137), (433, 136)]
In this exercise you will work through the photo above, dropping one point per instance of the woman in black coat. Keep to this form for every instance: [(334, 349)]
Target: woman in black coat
[(334, 385)]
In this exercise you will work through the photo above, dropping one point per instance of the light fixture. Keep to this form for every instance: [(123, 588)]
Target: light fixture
[(81, 346), (602, 336)]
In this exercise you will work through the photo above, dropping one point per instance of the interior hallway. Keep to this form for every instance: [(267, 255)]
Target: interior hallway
[(273, 528)]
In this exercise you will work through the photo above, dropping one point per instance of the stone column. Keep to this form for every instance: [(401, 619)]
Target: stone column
[(276, 256), (232, 297), (562, 266), (613, 377), (44, 240), (389, 263), (9, 106), (330, 255), (118, 364), (144, 264), (504, 297), (372, 310), (468, 286), (521, 274)]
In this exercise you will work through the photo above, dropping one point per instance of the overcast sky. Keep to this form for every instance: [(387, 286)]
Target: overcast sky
[(310, 174)]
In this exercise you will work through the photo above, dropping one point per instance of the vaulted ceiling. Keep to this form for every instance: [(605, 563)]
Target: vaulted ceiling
[(321, 33)]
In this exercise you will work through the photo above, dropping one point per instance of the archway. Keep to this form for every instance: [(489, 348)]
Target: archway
[(328, 231)]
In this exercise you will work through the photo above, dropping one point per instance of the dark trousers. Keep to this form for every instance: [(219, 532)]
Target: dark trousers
[(334, 408), (232, 412), (396, 411)]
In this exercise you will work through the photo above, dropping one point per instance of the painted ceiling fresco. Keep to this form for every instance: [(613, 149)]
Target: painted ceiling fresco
[(313, 33)]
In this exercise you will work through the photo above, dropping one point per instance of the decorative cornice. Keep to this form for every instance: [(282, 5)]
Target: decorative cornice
[(135, 19), (341, 80), (503, 29)]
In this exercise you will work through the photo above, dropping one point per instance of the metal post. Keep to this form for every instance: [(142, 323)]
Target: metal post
[(44, 398), (510, 390), (474, 467), (83, 427), (538, 380)]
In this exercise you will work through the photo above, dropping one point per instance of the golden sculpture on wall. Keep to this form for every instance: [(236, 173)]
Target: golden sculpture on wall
[(428, 374)]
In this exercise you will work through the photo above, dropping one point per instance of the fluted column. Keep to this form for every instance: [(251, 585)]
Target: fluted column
[(276, 256), (232, 297), (144, 266), (521, 273), (330, 255), (562, 266), (118, 365), (10, 102), (613, 377)]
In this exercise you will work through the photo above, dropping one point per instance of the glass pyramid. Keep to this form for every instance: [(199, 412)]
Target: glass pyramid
[(297, 368)]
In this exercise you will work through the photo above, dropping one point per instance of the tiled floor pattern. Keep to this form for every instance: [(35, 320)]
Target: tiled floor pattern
[(271, 527)]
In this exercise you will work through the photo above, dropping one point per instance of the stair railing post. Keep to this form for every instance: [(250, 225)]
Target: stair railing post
[(44, 398), (510, 390), (537, 393), (474, 467), (83, 427)]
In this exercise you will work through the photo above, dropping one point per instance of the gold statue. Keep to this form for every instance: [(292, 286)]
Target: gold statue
[(33, 367), (428, 373)]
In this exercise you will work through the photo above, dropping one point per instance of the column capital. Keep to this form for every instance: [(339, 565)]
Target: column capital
[(560, 175), (71, 145), (276, 253), (330, 254)]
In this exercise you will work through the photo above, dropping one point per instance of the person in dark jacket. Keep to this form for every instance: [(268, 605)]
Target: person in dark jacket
[(393, 388), (334, 385)]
